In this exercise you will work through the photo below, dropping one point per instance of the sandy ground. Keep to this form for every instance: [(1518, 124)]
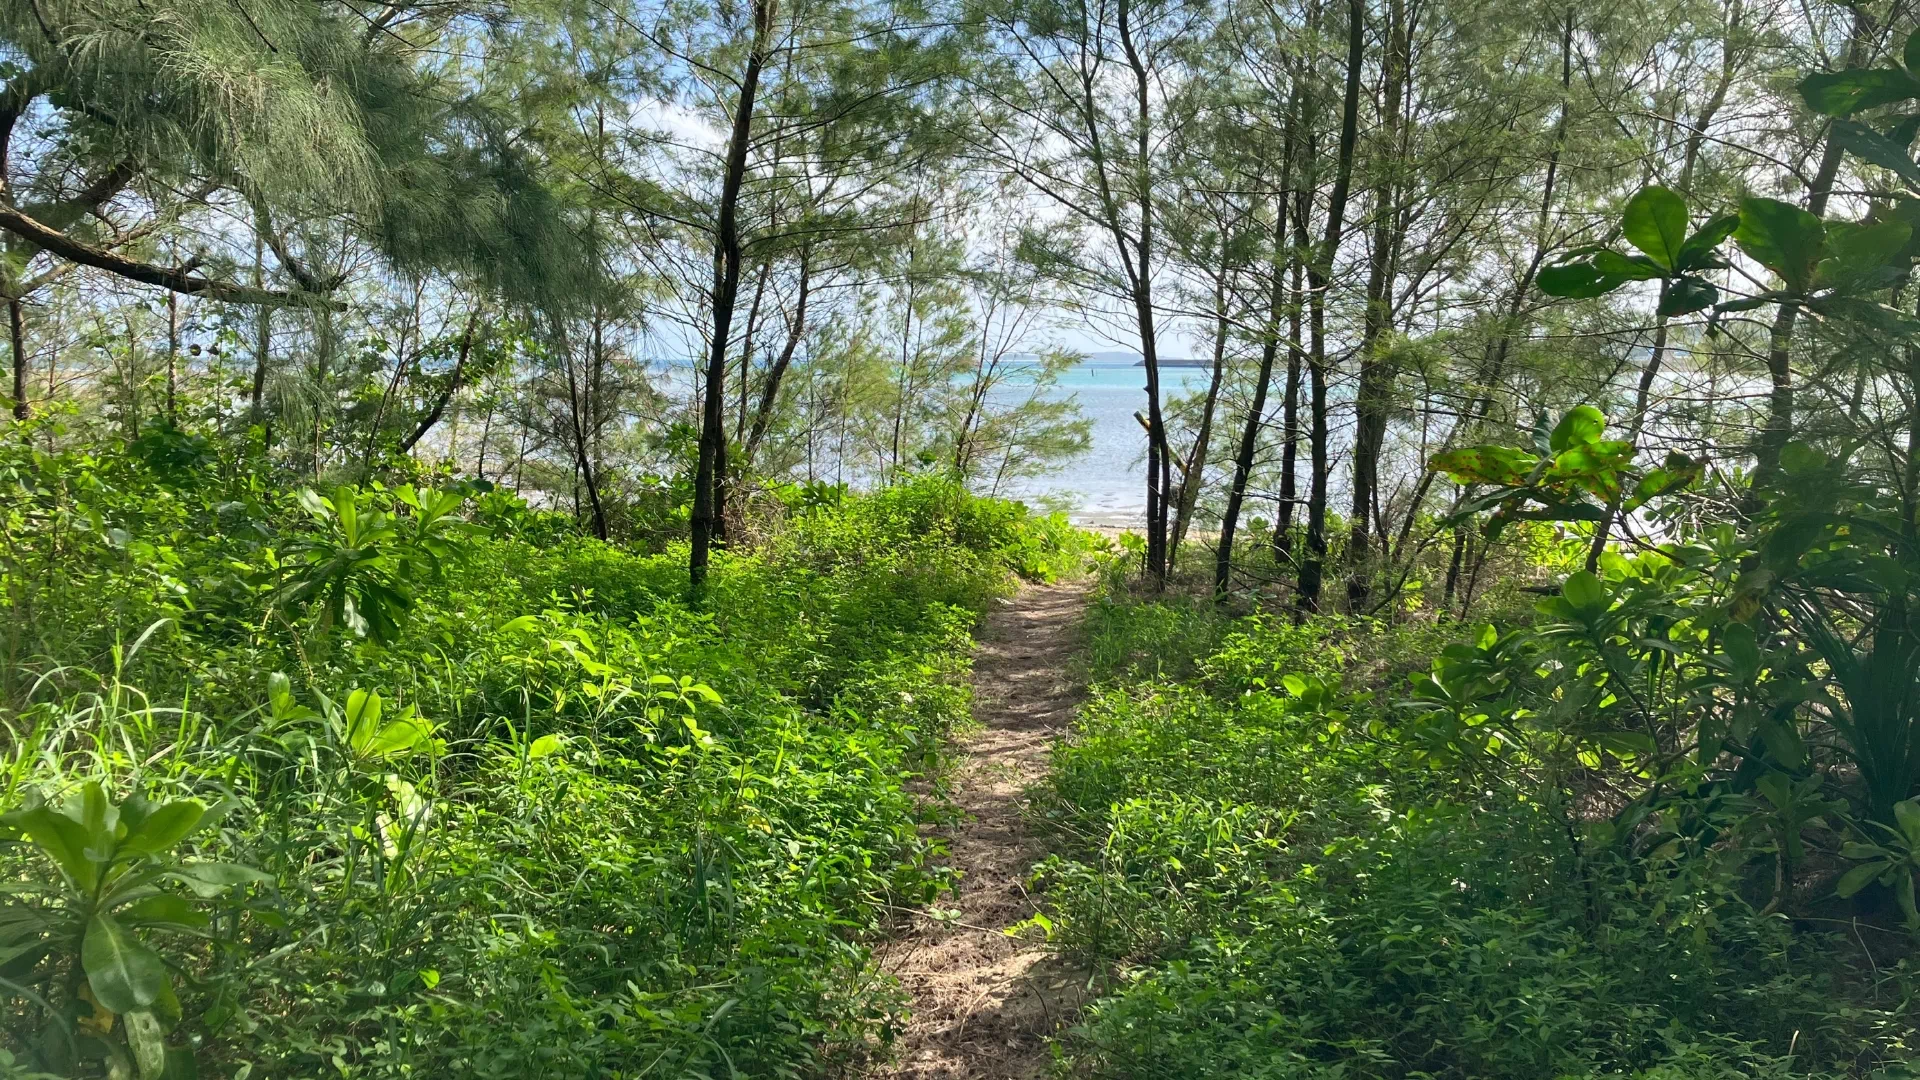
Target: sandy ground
[(984, 1003)]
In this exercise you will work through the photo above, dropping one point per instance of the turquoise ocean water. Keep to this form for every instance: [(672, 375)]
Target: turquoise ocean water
[(1108, 484)]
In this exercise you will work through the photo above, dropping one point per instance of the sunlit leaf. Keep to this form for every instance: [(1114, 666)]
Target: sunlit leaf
[(1843, 93), (125, 975), (1783, 238), (1655, 221), (1577, 281), (1582, 425)]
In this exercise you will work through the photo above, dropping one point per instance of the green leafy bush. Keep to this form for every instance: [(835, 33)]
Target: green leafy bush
[(1291, 869), (542, 818)]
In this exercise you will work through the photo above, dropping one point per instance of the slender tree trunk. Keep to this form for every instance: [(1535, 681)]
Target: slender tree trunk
[(263, 336), (1542, 242), (746, 347), (984, 366), (1319, 277), (709, 496), (17, 336), (1778, 428), (453, 387), (579, 417), (486, 436), (322, 371), (1159, 453), (1635, 426), (903, 388), (1197, 459), (1453, 568), (770, 392), (1269, 351), (1374, 398), (1296, 360), (173, 356)]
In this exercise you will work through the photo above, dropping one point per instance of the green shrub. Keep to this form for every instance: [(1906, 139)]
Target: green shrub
[(1284, 880), (543, 818)]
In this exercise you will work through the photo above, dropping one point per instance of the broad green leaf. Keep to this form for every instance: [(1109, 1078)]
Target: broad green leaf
[(1907, 815), (1294, 684), (1582, 426), (208, 879), (1858, 878), (1627, 267), (1702, 248), (1503, 466), (61, 839), (1874, 148), (148, 1044), (163, 908), (1655, 221), (396, 738), (1577, 281), (279, 694), (1856, 252), (1743, 651), (1626, 743), (363, 718), (1678, 471), (124, 973), (1686, 295), (1783, 238), (1585, 592), (1843, 93), (517, 624), (545, 746), (165, 827), (95, 812), (1560, 511)]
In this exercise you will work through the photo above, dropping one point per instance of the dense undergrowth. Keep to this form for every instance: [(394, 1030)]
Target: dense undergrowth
[(483, 797), (1358, 849)]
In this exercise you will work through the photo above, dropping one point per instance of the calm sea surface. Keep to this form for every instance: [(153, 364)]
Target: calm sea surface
[(1108, 484)]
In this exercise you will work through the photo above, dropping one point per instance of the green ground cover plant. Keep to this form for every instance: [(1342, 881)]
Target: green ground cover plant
[(1343, 848), (417, 781)]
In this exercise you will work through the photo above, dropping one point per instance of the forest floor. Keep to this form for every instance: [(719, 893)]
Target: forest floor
[(984, 1003)]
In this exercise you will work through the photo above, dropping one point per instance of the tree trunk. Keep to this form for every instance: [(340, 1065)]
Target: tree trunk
[(579, 418), (709, 496), (1159, 454), (1778, 428), (1296, 358), (1289, 499), (453, 387), (1269, 351), (173, 356), (770, 392), (1635, 426), (1374, 397), (1197, 459), (17, 335), (263, 335), (1319, 276), (746, 347)]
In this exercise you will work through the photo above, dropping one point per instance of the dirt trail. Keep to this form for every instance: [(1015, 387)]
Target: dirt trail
[(984, 1003)]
